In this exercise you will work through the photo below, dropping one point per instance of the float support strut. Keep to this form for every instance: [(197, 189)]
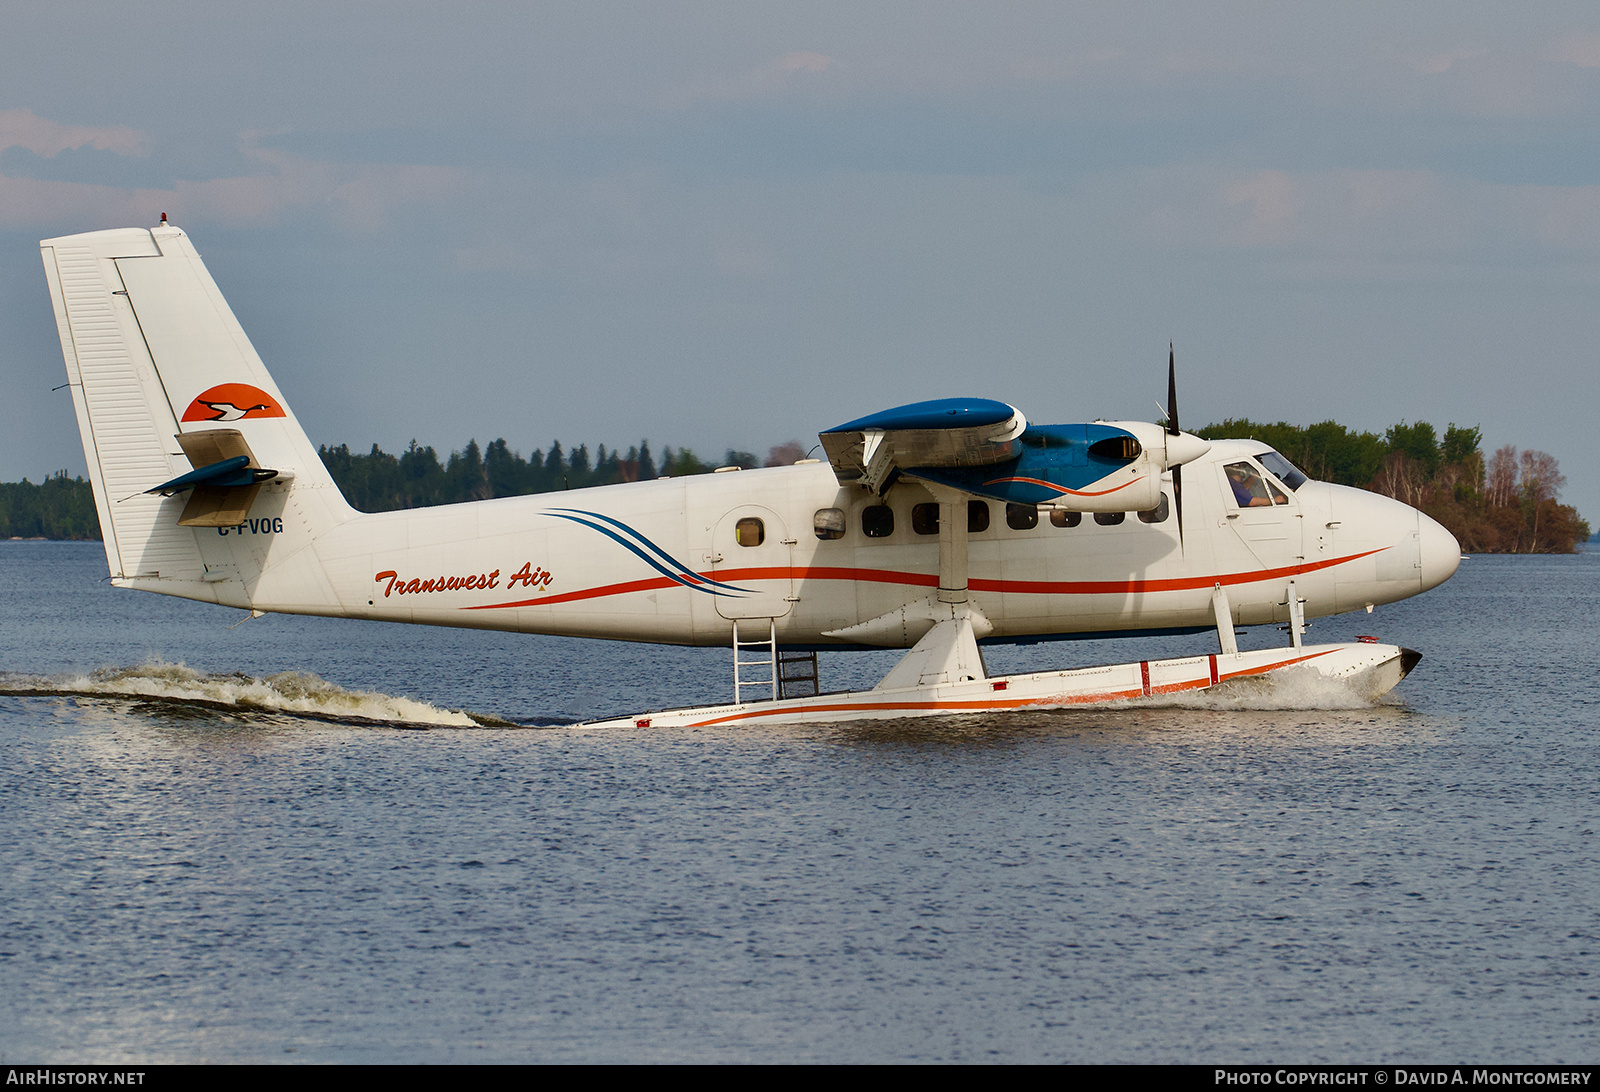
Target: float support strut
[(1297, 616), (1223, 613)]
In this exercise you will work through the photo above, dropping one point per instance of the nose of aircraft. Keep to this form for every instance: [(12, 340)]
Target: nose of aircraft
[(1440, 553)]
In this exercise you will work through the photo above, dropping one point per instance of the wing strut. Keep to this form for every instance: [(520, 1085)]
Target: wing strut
[(952, 543)]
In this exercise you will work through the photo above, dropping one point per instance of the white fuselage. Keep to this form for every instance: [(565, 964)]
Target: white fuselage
[(663, 560), (156, 361)]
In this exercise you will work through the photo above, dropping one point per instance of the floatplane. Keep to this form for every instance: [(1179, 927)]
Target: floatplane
[(936, 528)]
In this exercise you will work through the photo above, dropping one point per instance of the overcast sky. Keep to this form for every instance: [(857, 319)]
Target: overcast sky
[(731, 224)]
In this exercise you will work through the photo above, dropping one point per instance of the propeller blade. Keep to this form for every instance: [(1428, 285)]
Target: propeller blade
[(1177, 501), (1172, 391), (1172, 430)]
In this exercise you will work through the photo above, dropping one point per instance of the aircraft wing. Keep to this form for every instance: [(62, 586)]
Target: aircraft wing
[(987, 449), (946, 432)]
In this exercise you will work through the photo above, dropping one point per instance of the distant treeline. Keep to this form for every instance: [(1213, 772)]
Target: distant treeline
[(1507, 503), (61, 507), (417, 478)]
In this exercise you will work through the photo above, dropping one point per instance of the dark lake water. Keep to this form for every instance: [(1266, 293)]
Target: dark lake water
[(1410, 882)]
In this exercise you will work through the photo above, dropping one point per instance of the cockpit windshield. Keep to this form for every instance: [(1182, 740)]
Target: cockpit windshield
[(1285, 471)]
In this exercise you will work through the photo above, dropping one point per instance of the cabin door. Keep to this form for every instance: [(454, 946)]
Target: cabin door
[(1267, 519), (1264, 513), (751, 553)]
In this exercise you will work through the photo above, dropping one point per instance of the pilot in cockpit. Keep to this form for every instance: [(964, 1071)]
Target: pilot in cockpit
[(1250, 490)]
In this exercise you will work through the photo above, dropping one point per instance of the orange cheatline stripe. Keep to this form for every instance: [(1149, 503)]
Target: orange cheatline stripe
[(953, 706), (1202, 683), (1063, 490), (653, 584), (929, 580)]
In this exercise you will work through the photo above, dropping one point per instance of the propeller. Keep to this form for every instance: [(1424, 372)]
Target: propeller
[(1172, 430)]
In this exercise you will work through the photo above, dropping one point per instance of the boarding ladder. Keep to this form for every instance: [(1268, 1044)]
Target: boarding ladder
[(797, 674), (763, 669), (757, 662)]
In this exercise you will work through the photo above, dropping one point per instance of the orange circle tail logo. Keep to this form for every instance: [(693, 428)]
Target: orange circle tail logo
[(233, 402)]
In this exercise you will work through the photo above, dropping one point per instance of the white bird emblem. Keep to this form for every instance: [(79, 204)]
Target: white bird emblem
[(227, 411)]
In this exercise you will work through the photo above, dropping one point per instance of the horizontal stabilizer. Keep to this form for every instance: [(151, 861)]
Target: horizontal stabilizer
[(225, 479), (233, 472)]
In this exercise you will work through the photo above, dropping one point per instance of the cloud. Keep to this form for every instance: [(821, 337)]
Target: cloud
[(1565, 217), (1269, 201), (744, 256), (781, 74), (357, 197), (1116, 65), (1582, 50), (22, 128), (1439, 61), (1375, 219), (801, 62)]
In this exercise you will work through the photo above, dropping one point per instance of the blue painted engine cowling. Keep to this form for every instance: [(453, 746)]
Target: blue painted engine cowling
[(939, 413), (1056, 462)]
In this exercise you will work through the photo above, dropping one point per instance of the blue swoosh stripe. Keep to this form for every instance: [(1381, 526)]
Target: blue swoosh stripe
[(658, 551), (682, 576)]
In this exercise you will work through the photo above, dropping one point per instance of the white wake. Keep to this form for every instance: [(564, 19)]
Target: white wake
[(1292, 690), (299, 693)]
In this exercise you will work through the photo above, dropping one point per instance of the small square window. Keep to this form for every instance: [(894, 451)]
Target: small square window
[(750, 531), (828, 523), (877, 521), (1022, 517)]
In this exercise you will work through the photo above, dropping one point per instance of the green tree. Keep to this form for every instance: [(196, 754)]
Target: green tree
[(1418, 443)]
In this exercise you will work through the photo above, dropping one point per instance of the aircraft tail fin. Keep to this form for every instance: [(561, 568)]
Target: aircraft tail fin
[(169, 394)]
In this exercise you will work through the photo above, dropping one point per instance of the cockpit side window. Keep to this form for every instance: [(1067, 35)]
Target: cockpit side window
[(1286, 471), (1251, 489)]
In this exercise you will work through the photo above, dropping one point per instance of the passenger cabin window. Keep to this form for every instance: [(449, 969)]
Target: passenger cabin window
[(925, 518), (1021, 517), (1109, 519), (1251, 489), (1158, 514), (877, 521), (750, 531), (1287, 472), (828, 523), (1058, 518), (977, 517)]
